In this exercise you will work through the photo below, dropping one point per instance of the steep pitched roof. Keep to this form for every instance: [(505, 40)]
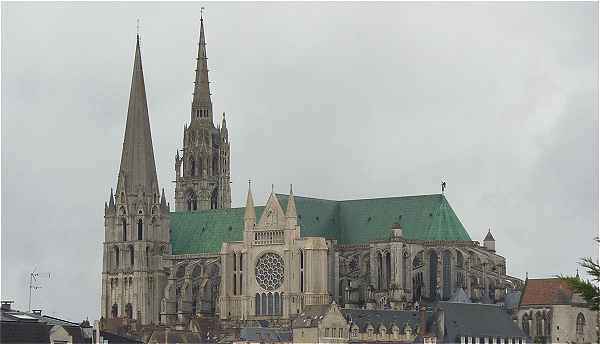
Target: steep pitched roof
[(427, 217), (388, 318), (477, 320), (137, 158), (546, 291)]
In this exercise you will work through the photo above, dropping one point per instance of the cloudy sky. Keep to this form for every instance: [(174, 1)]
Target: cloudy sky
[(344, 100)]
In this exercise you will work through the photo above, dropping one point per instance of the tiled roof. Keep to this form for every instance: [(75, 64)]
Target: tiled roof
[(548, 291), (427, 217)]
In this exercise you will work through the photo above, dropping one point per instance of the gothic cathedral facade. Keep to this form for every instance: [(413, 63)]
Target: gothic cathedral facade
[(269, 262)]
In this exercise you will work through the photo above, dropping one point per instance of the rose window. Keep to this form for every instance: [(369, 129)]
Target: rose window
[(269, 271)]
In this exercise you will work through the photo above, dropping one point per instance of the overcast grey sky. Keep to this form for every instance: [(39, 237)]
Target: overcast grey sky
[(344, 100)]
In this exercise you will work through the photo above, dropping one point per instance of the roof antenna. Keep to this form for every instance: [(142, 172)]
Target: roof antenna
[(34, 284)]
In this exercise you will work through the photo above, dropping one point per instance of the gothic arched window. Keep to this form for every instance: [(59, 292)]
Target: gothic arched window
[(433, 267), (124, 223), (447, 274), (460, 260), (257, 304), (193, 167), (539, 324), (114, 312), (147, 256), (140, 229), (388, 269), (116, 257), (525, 324), (129, 311), (580, 324), (131, 256)]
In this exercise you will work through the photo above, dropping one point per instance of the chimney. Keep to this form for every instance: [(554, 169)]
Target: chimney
[(6, 305), (37, 312)]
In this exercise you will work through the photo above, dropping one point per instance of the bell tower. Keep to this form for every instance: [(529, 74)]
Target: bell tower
[(202, 171), (136, 220)]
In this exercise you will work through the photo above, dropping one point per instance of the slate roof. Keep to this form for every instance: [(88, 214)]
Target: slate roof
[(363, 317), (310, 316), (477, 320), (547, 291), (21, 327), (262, 334), (426, 217)]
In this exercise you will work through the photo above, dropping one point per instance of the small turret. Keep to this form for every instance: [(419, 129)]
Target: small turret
[(489, 243), (397, 230), (250, 212), (291, 214), (163, 200), (223, 130)]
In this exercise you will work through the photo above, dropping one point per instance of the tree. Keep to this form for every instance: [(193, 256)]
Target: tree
[(588, 290)]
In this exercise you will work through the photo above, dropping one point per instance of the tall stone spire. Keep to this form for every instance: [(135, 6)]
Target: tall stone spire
[(137, 171), (201, 103)]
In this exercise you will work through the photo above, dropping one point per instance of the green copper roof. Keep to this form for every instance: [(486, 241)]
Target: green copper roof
[(427, 217)]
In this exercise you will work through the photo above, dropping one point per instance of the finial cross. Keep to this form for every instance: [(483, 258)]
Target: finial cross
[(201, 12), (137, 26)]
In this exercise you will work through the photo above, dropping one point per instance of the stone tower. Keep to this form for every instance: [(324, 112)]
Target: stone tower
[(136, 220), (202, 172)]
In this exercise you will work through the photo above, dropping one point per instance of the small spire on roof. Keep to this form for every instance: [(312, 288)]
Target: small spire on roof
[(163, 199), (111, 201), (290, 212), (250, 213), (577, 275)]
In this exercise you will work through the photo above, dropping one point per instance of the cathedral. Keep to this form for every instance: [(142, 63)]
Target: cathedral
[(205, 259)]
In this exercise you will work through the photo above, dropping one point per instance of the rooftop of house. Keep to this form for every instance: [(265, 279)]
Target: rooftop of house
[(477, 320), (546, 291), (350, 222)]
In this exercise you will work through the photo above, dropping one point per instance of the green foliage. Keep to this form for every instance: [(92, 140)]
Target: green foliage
[(589, 290)]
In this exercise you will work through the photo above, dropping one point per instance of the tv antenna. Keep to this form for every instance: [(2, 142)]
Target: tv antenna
[(34, 277)]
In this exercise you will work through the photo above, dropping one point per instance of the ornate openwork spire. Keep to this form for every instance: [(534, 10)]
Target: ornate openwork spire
[(201, 103)]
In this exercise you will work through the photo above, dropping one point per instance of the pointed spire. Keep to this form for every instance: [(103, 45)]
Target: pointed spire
[(163, 199), (111, 201), (137, 159), (291, 206), (201, 103), (223, 123), (250, 213), (489, 236)]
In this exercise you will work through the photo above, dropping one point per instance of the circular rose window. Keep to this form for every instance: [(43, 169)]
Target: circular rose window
[(269, 271)]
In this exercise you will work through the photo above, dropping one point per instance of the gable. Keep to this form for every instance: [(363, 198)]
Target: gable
[(273, 215)]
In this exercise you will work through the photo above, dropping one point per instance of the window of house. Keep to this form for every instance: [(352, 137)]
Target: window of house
[(580, 324)]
